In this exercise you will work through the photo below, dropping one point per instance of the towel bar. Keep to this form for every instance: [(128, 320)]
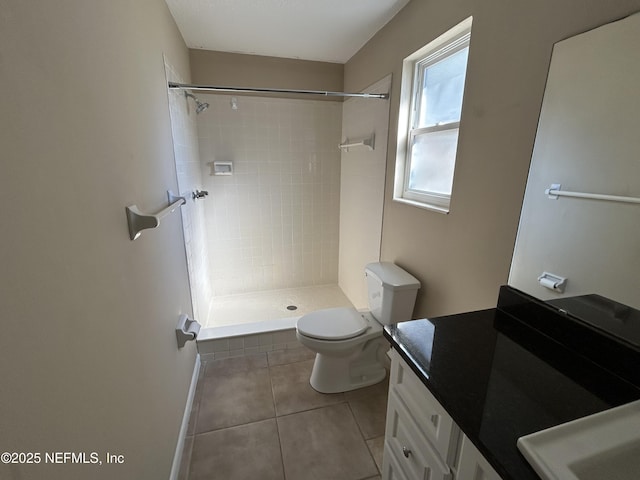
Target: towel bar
[(139, 221), (554, 192), (369, 143)]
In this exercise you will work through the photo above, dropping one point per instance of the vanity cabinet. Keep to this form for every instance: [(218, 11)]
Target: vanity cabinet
[(421, 439), (472, 465)]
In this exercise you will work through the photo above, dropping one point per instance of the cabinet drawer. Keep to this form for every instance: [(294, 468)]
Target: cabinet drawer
[(391, 469), (411, 450), (429, 416)]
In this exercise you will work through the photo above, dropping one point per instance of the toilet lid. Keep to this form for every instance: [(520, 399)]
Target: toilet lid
[(332, 324)]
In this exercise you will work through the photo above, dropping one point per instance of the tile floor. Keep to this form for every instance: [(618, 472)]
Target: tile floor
[(257, 417)]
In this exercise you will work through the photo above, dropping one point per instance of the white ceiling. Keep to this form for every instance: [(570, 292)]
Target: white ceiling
[(323, 30)]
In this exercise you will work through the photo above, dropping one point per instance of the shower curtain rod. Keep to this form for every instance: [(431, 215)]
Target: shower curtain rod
[(212, 88)]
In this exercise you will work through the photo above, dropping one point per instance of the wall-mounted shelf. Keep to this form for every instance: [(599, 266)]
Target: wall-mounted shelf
[(367, 143), (221, 168), (138, 221)]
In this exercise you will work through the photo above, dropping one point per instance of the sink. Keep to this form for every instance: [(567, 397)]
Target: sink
[(605, 445)]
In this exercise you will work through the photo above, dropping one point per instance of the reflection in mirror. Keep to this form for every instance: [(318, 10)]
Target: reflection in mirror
[(613, 318), (588, 140)]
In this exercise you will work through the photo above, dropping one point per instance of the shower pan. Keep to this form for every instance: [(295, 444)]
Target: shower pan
[(258, 306)]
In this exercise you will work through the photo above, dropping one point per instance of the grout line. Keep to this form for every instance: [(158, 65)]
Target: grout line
[(356, 420), (364, 439), (287, 363), (233, 426), (275, 412), (312, 409)]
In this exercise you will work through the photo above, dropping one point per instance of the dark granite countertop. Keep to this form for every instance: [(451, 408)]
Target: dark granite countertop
[(500, 378)]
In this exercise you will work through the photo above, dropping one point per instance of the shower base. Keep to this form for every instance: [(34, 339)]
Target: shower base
[(269, 305)]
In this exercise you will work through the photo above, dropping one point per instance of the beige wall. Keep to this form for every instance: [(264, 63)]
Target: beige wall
[(238, 70), (88, 356), (362, 190), (463, 257)]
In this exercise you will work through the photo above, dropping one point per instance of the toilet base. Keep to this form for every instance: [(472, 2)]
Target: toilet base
[(342, 374)]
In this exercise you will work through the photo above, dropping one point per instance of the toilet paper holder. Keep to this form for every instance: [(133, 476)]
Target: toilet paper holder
[(552, 281), (186, 330)]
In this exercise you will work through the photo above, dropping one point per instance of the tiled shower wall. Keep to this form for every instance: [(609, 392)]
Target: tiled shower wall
[(185, 146), (274, 222)]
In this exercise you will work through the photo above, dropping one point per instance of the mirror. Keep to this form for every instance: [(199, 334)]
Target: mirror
[(588, 141)]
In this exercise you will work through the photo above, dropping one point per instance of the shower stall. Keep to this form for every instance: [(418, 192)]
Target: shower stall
[(264, 244), (272, 214)]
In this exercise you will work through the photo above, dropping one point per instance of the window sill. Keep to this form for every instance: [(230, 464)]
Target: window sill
[(425, 206)]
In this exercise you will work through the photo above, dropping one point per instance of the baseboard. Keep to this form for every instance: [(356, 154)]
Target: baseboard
[(177, 456)]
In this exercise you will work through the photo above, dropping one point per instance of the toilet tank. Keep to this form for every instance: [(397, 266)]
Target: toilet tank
[(391, 291)]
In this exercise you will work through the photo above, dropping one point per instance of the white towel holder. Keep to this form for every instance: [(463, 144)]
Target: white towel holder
[(554, 192), (368, 143)]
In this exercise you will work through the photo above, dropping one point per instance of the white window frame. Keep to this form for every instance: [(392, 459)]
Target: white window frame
[(413, 69)]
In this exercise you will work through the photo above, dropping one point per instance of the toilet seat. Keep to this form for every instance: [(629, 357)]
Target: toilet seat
[(332, 324)]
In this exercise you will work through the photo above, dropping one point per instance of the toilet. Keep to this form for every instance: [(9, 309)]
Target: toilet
[(346, 341)]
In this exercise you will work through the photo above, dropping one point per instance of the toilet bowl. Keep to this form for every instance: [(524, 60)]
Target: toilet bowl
[(347, 341), (334, 369)]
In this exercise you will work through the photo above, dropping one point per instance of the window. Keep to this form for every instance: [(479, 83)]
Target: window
[(430, 108)]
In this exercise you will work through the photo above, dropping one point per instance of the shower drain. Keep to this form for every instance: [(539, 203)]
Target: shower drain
[(291, 307)]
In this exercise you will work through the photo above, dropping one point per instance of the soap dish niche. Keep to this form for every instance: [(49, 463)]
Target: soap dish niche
[(221, 168)]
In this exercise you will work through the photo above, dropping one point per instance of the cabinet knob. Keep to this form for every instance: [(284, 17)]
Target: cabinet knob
[(406, 452)]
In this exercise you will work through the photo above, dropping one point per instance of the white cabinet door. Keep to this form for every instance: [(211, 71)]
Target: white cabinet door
[(391, 469), (472, 465), (430, 418), (420, 436), (418, 459)]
